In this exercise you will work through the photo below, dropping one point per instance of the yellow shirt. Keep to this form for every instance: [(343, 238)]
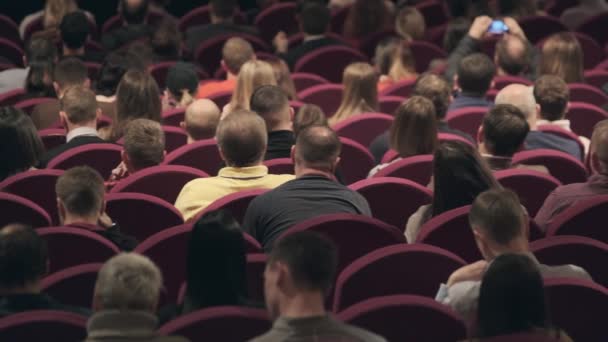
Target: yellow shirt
[(200, 193)]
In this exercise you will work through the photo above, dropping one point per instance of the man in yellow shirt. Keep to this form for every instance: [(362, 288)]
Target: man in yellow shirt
[(241, 139)]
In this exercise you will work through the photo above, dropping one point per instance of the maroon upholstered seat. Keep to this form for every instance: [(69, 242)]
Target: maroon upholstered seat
[(202, 16), (236, 203), (256, 264), (10, 30), (425, 53), (73, 286), (281, 166), (581, 92), (174, 117), (52, 137), (364, 128), (562, 166), (418, 169), (16, 209), (593, 53), (277, 18), (584, 116), (389, 104), (10, 51), (531, 187), (28, 105), (593, 27), (326, 96), (503, 81), (315, 62), (303, 80), (585, 218), (355, 161), (402, 89), (221, 98), (11, 97), (467, 120), (597, 78), (31, 325), (539, 27), (202, 155), (101, 157)]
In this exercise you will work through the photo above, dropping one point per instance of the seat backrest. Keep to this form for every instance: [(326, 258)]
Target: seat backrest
[(256, 264), (397, 266), (73, 286), (202, 155), (236, 203), (593, 53), (560, 132), (581, 92), (164, 181), (276, 18), (402, 89), (315, 62), (174, 117), (159, 72), (432, 320), (467, 120), (52, 137), (531, 187), (202, 16), (327, 96), (28, 105), (31, 325), (418, 169), (453, 137), (584, 116), (253, 246), (10, 30), (209, 53), (365, 127), (393, 200), (175, 137), (562, 166), (281, 166), (390, 104), (338, 18), (11, 97), (11, 51), (425, 53), (593, 28), (101, 157), (304, 80), (225, 323), (221, 98), (355, 161), (16, 209), (584, 218), (596, 78), (505, 80), (367, 44), (539, 27)]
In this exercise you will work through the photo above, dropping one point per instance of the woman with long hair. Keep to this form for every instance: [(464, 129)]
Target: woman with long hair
[(253, 74), (562, 55), (395, 61), (459, 175), (360, 92), (20, 145)]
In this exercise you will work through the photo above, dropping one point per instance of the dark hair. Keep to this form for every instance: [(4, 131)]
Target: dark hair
[(70, 72), (517, 8), (223, 9), (475, 74), (114, 67), (309, 115), (20, 145), (511, 297), (499, 213), (459, 176), (414, 131), (216, 266), (314, 18), (270, 102), (366, 16), (167, 40), (310, 257), (41, 50), (80, 105), (456, 30), (552, 95), (513, 63), (39, 80), (134, 15), (504, 130), (74, 30), (436, 89), (318, 147), (23, 256), (81, 191), (242, 138)]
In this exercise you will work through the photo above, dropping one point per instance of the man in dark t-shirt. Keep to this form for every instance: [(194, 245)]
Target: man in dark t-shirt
[(313, 193)]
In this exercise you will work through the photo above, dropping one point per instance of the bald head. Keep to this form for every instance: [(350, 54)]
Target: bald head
[(599, 147), (512, 55), (317, 147), (522, 97), (201, 120)]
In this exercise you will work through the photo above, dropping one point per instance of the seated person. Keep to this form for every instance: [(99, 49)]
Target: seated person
[(20, 146), (271, 103), (395, 61), (242, 140), (574, 16), (38, 52), (309, 115), (23, 264), (299, 274), (313, 193), (78, 114), (182, 84), (201, 120), (500, 225), (75, 30), (410, 24), (474, 78), (134, 14)]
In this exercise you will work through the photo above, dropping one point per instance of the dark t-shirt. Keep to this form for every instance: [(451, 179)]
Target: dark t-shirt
[(279, 144), (272, 213), (29, 302), (537, 140)]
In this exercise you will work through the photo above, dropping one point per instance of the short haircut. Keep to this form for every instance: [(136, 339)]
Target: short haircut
[(144, 143), (81, 190), (315, 18), (505, 130), (236, 52), (23, 257), (552, 95), (310, 258), (435, 88), (41, 50), (318, 147), (498, 212), (309, 115), (513, 55), (475, 73), (128, 282), (74, 29), (80, 105), (242, 138), (520, 96), (223, 9), (272, 104), (70, 72), (201, 119)]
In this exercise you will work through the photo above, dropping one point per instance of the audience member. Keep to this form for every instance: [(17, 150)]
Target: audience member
[(201, 120), (395, 61), (236, 52), (23, 264), (517, 8), (272, 104), (562, 55), (314, 22), (75, 31), (459, 175), (522, 97), (216, 266), (40, 55), (114, 67), (298, 276), (166, 41), (456, 30), (414, 131), (360, 93), (436, 89), (78, 114), (367, 16), (474, 78), (125, 300), (283, 77), (410, 24), (52, 14), (133, 14), (242, 139), (81, 204), (313, 193), (512, 301), (513, 56), (68, 73), (253, 75), (182, 83), (566, 196), (309, 115), (573, 17), (500, 225), (20, 145), (39, 81)]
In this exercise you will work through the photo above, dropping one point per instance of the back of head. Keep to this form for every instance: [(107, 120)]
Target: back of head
[(70, 72), (318, 147), (242, 139), (201, 119), (599, 147), (41, 50), (498, 215), (20, 145), (80, 105), (223, 9), (253, 75), (394, 58), (236, 52), (552, 95), (134, 12), (366, 16), (309, 115), (475, 74), (459, 176), (314, 18), (128, 282), (436, 89), (55, 10), (562, 56), (414, 131), (360, 91), (410, 24), (114, 67), (81, 191), (504, 130), (182, 82), (144, 143), (137, 97), (511, 297), (167, 40), (23, 258), (75, 30), (216, 262), (520, 96), (271, 103), (513, 55)]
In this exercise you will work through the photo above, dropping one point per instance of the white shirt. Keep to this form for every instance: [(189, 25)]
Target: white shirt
[(81, 131)]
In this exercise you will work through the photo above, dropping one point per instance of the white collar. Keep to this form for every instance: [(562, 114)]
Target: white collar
[(81, 131)]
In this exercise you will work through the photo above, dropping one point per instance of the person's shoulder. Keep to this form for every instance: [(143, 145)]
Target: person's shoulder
[(564, 271), (358, 333), (280, 179)]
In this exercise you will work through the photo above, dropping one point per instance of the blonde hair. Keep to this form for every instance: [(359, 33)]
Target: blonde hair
[(55, 10), (410, 24), (360, 92), (253, 74), (395, 59), (562, 56)]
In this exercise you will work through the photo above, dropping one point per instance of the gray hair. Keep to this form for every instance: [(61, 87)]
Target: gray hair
[(520, 96), (129, 281)]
